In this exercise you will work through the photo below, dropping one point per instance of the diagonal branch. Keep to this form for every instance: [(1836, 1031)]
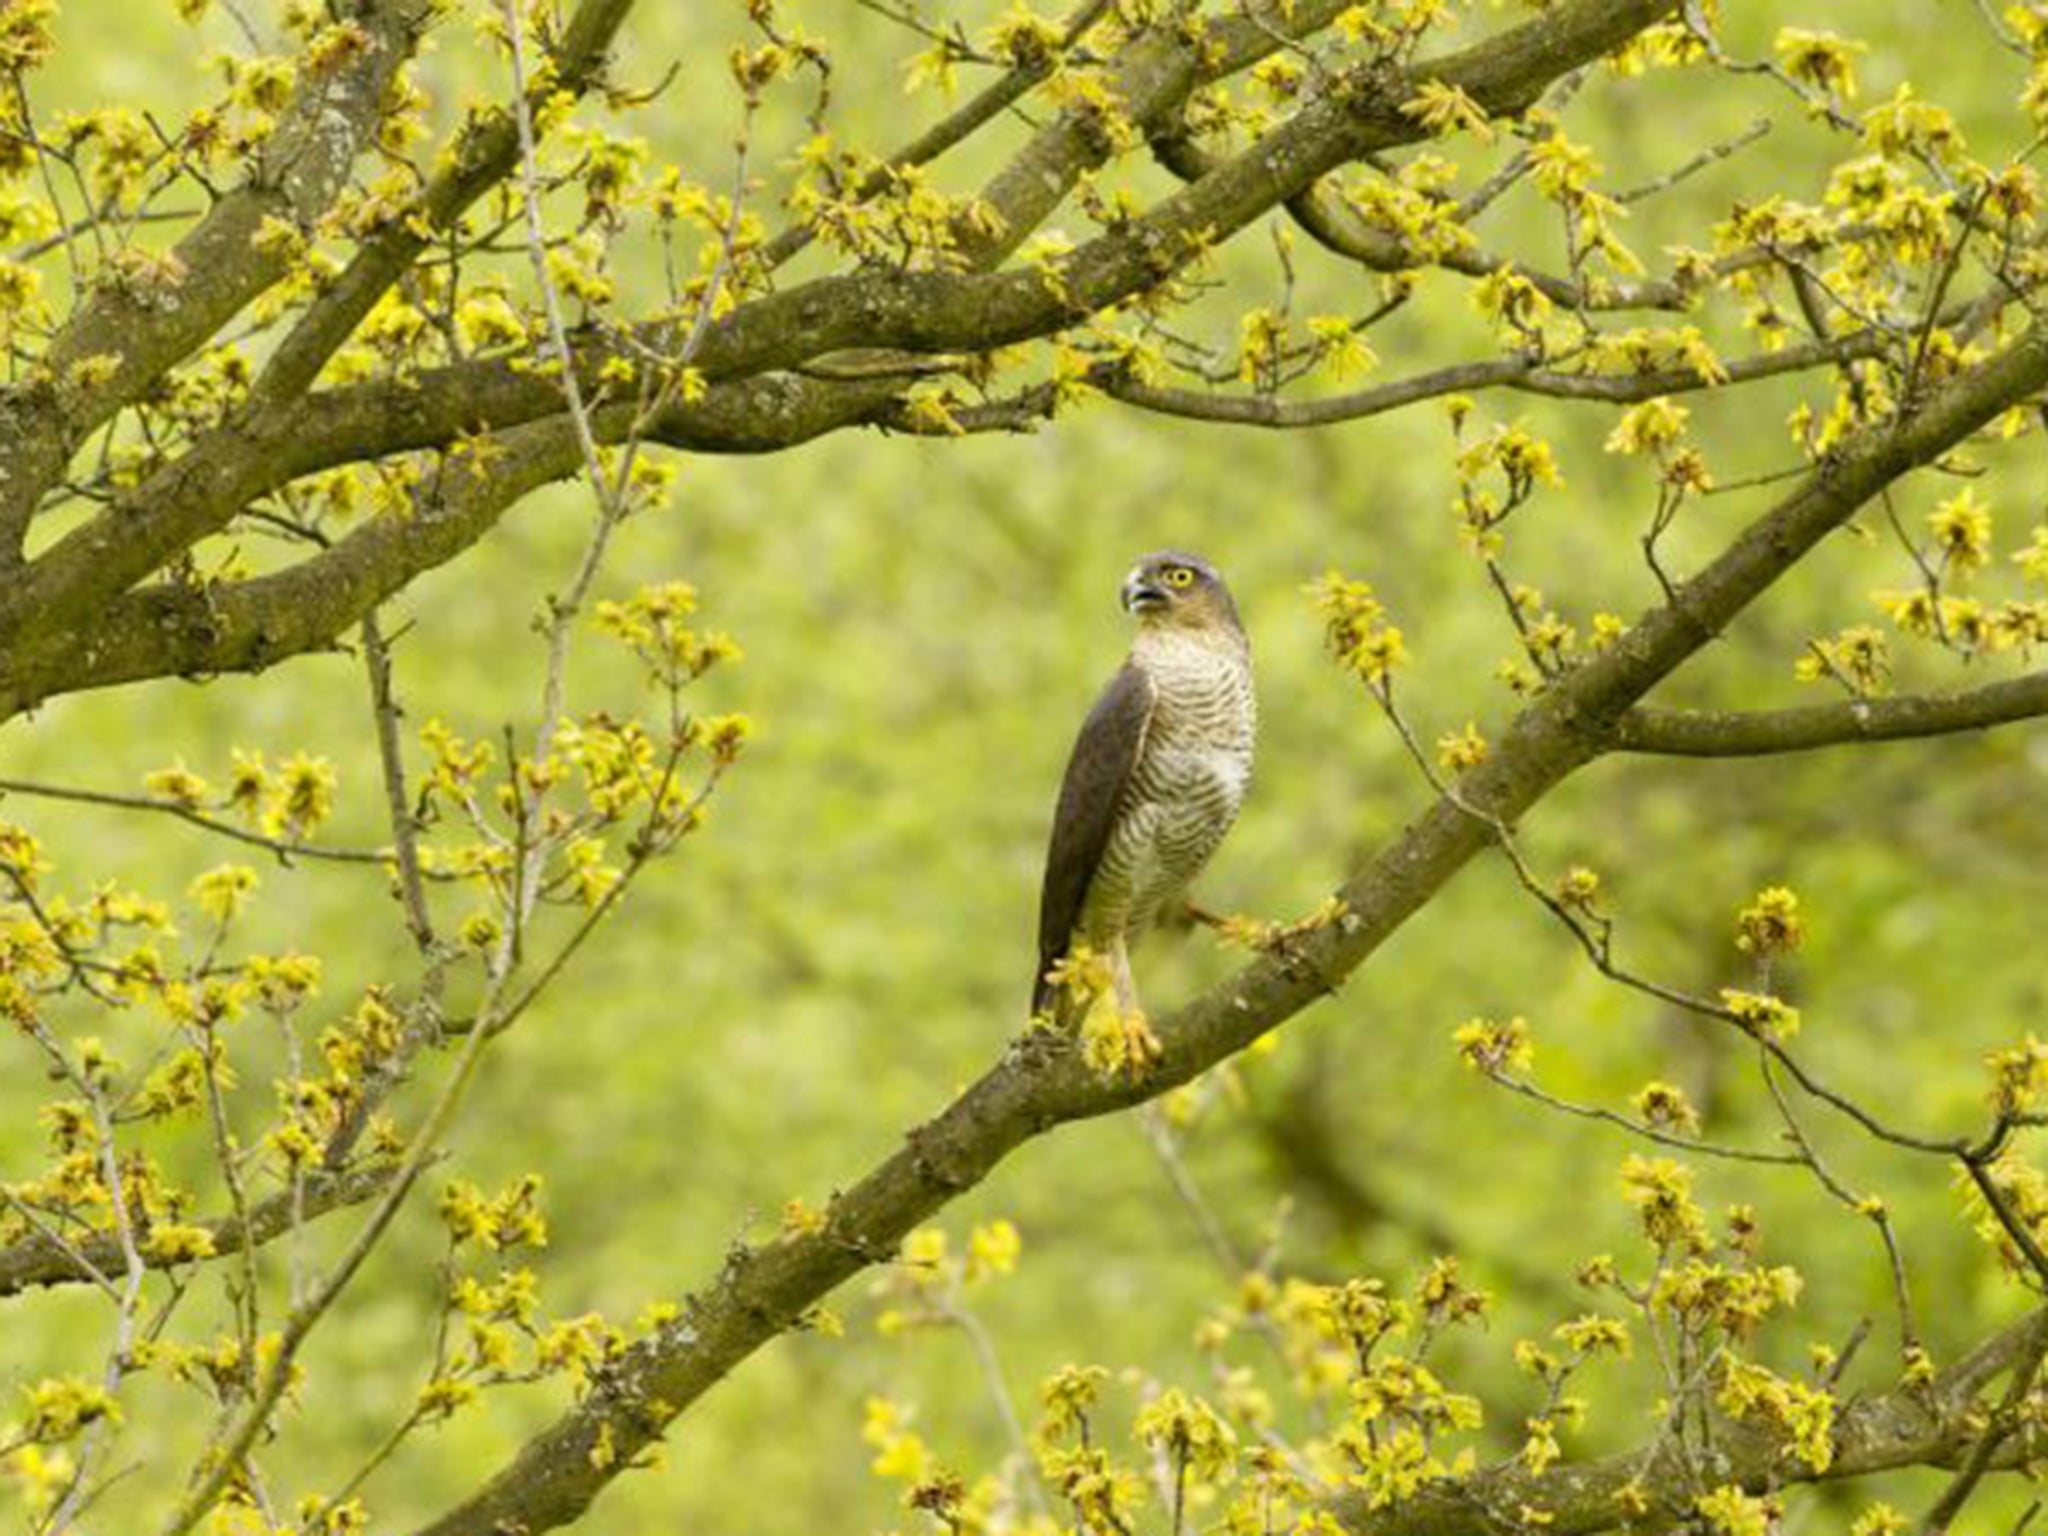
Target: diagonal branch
[(204, 489), (1358, 115), (188, 631), (486, 153), (219, 268), (1153, 76), (247, 626), (983, 108)]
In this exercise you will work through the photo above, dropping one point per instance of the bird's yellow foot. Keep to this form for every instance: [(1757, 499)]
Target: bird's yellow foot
[(1117, 1040), (1141, 1046), (1238, 930)]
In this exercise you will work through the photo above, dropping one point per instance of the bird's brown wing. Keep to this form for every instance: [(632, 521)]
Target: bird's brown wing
[(1104, 754)]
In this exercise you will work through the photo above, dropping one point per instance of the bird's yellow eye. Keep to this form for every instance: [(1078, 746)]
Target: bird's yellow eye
[(1179, 576)]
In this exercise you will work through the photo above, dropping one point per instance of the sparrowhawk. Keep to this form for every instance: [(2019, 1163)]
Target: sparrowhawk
[(1157, 773)]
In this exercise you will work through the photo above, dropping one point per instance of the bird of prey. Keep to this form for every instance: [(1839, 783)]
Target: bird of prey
[(1156, 777)]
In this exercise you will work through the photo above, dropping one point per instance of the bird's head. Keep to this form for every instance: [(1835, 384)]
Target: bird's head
[(1171, 588)]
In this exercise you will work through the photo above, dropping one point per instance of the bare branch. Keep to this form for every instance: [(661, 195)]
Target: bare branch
[(1761, 733), (1523, 374)]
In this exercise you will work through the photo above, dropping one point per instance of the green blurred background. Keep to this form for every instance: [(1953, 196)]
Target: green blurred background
[(850, 938)]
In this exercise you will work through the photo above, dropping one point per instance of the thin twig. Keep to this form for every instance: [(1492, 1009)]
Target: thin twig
[(286, 849), (1648, 1132)]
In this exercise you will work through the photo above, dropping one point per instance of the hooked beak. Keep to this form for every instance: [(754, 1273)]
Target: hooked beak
[(1142, 596)]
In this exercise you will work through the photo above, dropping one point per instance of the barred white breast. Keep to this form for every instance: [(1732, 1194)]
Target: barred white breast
[(1187, 784)]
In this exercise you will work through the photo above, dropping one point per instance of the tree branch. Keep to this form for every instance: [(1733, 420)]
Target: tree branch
[(187, 631), (1154, 75), (486, 153), (1523, 374), (1762, 733), (251, 625), (218, 268), (1933, 1425), (36, 1261), (1339, 228), (171, 630), (284, 849), (204, 489), (969, 118), (972, 312)]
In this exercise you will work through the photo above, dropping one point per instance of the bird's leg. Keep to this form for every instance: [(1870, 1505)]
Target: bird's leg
[(1230, 928), (1286, 942), (1120, 978), (1140, 1045)]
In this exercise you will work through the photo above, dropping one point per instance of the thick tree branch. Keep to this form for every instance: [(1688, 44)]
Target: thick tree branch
[(248, 626), (178, 630), (918, 311), (1153, 77), (362, 422), (217, 269), (1042, 1081), (204, 489), (1762, 733)]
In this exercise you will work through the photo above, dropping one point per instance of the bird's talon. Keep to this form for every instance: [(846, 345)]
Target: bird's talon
[(1141, 1046)]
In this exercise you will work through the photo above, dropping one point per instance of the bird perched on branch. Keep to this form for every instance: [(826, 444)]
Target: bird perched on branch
[(1155, 781)]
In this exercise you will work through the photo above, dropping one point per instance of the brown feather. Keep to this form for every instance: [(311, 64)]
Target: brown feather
[(1104, 753)]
